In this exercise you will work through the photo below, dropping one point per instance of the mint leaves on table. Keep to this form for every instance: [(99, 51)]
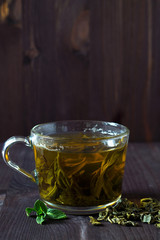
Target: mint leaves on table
[(43, 213)]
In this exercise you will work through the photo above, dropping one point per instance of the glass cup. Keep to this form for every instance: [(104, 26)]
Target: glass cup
[(79, 164)]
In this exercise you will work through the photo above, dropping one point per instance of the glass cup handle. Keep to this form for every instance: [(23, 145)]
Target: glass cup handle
[(5, 154)]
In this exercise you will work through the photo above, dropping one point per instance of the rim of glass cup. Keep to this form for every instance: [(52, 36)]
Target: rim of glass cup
[(125, 132)]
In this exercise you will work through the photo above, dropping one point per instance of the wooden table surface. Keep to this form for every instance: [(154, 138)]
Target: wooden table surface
[(141, 179)]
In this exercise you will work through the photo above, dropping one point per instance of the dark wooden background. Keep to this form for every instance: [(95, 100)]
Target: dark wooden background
[(80, 59)]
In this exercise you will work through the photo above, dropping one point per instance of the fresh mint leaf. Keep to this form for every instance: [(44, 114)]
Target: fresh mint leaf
[(55, 214), (28, 211), (40, 219), (40, 207), (43, 213)]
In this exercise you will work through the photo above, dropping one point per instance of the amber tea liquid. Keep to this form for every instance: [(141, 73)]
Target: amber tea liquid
[(80, 174)]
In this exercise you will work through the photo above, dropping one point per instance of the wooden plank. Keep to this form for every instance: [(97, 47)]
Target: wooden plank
[(141, 180), (56, 74), (143, 165), (11, 83), (123, 46), (82, 60), (2, 198), (107, 75)]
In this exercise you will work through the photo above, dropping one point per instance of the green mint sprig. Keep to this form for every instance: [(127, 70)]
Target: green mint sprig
[(43, 213)]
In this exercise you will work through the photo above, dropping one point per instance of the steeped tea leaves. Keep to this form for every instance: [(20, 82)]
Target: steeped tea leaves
[(127, 213), (80, 174)]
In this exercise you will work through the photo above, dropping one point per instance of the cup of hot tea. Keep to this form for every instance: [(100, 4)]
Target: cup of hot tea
[(79, 165)]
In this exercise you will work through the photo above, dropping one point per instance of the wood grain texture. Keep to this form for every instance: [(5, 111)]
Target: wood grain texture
[(58, 77), (82, 60), (11, 93), (141, 180)]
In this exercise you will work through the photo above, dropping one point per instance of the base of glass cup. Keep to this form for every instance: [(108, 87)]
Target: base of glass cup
[(82, 210)]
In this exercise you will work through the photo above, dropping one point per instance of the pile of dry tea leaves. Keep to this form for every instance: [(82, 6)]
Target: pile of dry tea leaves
[(127, 213)]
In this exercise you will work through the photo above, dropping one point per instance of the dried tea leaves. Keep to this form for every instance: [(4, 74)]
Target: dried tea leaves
[(94, 221), (127, 213)]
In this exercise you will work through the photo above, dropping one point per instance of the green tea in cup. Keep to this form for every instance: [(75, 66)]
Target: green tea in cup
[(79, 164)]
